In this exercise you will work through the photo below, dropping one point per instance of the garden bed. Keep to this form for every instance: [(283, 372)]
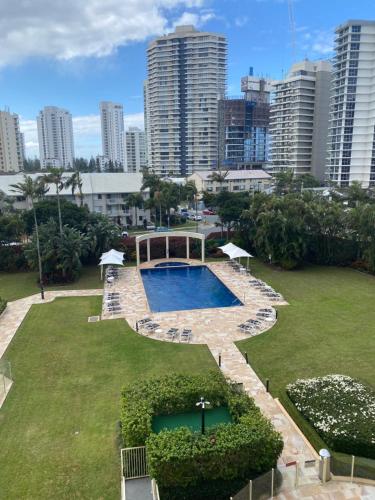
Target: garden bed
[(340, 409)]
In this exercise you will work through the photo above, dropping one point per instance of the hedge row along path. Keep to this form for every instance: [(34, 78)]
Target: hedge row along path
[(234, 366)]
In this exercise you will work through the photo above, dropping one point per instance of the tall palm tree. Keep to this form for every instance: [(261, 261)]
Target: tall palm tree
[(136, 201), (55, 176), (75, 182), (31, 190)]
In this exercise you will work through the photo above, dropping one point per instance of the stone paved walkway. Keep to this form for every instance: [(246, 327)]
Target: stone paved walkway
[(218, 324)]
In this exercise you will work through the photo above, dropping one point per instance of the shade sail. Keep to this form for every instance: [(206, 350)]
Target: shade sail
[(233, 251), (228, 248)]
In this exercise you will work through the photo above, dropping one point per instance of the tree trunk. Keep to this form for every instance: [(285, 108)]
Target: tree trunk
[(136, 216), (59, 211), (38, 252)]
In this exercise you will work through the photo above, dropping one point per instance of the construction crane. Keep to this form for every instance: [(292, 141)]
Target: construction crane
[(292, 27)]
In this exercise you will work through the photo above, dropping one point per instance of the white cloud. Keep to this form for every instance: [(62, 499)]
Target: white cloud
[(241, 21), (65, 29), (317, 42), (196, 19), (87, 140)]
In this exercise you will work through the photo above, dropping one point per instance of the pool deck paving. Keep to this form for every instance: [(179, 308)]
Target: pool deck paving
[(218, 329)]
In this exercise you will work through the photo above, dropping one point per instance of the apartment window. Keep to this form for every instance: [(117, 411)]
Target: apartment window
[(354, 46), (356, 38), (356, 29), (99, 196)]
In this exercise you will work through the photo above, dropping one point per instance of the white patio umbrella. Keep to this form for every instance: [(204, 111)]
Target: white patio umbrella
[(114, 253), (109, 258)]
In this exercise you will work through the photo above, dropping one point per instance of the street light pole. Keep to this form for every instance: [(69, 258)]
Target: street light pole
[(202, 403)]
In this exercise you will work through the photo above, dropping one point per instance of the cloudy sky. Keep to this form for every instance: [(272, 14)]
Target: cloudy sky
[(74, 53)]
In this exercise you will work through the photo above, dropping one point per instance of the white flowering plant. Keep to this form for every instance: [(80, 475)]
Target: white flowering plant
[(341, 409)]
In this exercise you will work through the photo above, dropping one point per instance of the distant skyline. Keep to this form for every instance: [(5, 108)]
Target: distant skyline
[(48, 58)]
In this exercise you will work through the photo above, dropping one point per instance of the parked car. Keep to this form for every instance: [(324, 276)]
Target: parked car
[(161, 229), (124, 234), (195, 217), (150, 227), (208, 211)]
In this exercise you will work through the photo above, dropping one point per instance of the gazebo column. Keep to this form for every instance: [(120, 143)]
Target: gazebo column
[(137, 251), (203, 249), (148, 251), (167, 247), (187, 247)]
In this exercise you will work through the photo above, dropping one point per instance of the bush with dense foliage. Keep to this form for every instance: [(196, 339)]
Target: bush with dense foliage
[(187, 464), (12, 258), (341, 409), (3, 304)]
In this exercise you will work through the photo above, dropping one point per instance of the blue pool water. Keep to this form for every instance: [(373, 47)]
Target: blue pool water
[(188, 287)]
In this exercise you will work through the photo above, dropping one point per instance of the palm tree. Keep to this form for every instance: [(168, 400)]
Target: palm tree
[(136, 201), (219, 176), (31, 190), (55, 176), (74, 182)]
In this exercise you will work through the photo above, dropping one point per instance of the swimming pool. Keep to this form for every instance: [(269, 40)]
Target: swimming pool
[(187, 287)]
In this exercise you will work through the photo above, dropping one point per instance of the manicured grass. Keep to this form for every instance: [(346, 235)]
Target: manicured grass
[(18, 285), (59, 424), (327, 328)]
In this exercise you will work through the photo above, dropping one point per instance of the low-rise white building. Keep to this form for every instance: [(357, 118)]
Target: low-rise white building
[(104, 193), (234, 181)]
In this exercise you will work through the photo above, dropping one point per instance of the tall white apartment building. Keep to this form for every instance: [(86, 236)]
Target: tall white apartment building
[(351, 144), (112, 123), (55, 135), (186, 77), (299, 119), (135, 150), (11, 143)]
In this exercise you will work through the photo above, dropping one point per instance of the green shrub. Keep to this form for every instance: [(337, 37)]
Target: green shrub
[(12, 258), (3, 304), (341, 410), (186, 464)]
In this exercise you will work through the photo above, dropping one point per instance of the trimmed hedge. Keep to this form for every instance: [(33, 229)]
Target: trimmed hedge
[(186, 464), (3, 304), (169, 395), (341, 410)]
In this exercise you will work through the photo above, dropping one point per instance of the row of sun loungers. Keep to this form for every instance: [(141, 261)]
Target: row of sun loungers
[(253, 325), (265, 290), (111, 303), (236, 266), (147, 325)]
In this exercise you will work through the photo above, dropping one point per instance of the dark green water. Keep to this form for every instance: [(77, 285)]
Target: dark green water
[(192, 419)]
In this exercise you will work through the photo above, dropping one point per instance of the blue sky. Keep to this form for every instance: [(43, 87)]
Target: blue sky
[(74, 53)]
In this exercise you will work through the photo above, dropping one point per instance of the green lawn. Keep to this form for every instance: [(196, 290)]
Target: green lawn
[(18, 285), (59, 424), (327, 328)]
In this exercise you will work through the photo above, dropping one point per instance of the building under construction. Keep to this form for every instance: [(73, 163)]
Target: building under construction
[(244, 125)]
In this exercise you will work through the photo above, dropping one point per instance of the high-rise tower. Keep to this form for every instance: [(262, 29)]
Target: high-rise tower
[(186, 77)]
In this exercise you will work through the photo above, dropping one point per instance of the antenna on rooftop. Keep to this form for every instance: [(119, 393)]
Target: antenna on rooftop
[(292, 27)]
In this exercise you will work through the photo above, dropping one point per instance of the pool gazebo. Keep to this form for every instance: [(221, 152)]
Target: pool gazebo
[(170, 234)]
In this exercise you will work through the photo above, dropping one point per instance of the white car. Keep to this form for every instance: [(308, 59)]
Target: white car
[(196, 218)]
